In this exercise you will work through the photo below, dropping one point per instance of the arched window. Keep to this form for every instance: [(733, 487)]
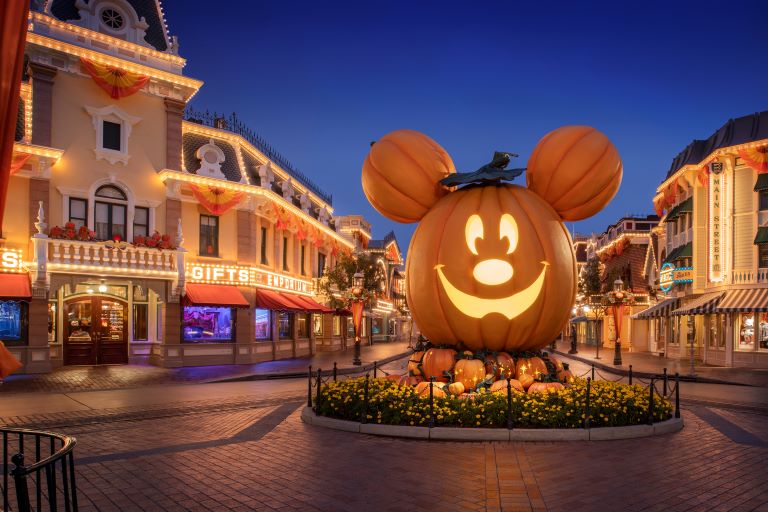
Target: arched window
[(110, 213)]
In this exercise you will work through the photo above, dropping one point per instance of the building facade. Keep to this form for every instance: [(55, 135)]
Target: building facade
[(139, 230), (711, 264)]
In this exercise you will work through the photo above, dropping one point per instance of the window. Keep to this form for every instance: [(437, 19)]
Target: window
[(52, 322), (762, 255), (159, 321), (303, 255), (284, 325), (320, 264), (336, 325), (110, 135), (262, 324), (78, 212), (13, 322), (746, 332), (207, 324), (377, 326), (763, 200), (303, 327), (209, 235), (140, 222), (285, 253), (762, 331), (112, 19), (110, 213), (317, 324), (140, 322), (264, 246)]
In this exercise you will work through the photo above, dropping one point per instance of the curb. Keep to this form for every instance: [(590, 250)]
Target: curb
[(643, 375), (494, 434), (294, 375)]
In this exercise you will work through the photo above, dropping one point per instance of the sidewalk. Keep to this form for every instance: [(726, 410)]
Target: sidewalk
[(106, 377), (646, 363)]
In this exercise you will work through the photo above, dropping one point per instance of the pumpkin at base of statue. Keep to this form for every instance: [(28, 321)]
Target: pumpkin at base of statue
[(501, 364), (414, 362), (544, 387), (525, 380), (422, 389), (531, 365), (565, 375), (469, 372), (436, 362), (500, 386), (455, 388), (409, 380)]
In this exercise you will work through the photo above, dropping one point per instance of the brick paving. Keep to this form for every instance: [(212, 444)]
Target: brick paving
[(256, 454), (106, 377)]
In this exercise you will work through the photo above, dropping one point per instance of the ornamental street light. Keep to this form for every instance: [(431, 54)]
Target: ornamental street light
[(617, 299), (356, 303)]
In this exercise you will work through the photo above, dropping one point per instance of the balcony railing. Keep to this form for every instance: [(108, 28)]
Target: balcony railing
[(749, 276), (110, 255)]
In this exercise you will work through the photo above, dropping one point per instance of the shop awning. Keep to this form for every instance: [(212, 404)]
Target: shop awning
[(744, 301), (762, 236), (214, 295), (15, 286), (703, 305), (684, 251), (663, 308), (762, 182), (311, 305), (267, 299)]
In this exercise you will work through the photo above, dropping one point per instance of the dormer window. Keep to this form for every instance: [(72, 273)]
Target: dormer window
[(112, 19), (111, 135), (113, 129)]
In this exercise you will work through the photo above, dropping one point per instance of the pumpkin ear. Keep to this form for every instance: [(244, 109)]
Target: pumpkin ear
[(576, 169), (402, 173)]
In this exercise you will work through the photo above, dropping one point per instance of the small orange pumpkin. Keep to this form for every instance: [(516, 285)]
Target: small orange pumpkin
[(502, 365), (409, 380), (500, 386), (470, 372), (530, 366), (565, 375), (525, 380), (576, 169), (402, 172), (437, 361), (422, 389), (544, 387), (558, 364), (455, 388), (414, 363)]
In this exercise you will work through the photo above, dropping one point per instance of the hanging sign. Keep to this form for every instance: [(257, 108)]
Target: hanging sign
[(246, 276), (666, 277), (716, 209)]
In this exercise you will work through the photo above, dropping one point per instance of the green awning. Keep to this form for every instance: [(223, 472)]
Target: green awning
[(672, 255), (762, 182), (762, 233), (686, 251), (684, 207)]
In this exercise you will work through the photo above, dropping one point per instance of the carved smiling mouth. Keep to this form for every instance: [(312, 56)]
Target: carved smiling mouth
[(478, 307)]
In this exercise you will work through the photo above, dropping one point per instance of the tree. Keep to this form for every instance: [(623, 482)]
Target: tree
[(589, 281), (336, 282)]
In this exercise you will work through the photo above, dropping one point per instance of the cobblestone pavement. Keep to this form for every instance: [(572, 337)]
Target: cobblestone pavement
[(257, 455), (105, 377)]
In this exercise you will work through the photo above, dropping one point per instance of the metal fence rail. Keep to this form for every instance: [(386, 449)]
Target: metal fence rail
[(38, 471)]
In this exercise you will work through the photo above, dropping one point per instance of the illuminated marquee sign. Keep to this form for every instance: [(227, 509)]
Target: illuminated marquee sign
[(10, 260), (246, 276), (669, 276), (716, 209)]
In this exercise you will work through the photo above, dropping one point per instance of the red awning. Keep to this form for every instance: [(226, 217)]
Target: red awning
[(214, 295), (15, 286), (268, 299)]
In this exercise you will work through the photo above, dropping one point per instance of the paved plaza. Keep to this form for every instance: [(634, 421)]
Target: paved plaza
[(242, 446)]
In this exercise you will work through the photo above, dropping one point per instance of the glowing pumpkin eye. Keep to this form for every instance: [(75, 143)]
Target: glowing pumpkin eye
[(473, 231), (508, 230)]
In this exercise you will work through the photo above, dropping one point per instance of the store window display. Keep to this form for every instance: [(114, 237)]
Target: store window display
[(746, 332), (203, 324)]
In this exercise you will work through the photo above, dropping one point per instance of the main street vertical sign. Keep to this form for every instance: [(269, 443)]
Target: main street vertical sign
[(716, 209)]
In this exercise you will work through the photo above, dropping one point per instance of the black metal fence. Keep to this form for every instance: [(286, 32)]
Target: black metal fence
[(670, 389), (38, 471)]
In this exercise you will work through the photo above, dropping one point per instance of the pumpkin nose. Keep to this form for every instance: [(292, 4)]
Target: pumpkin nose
[(493, 272)]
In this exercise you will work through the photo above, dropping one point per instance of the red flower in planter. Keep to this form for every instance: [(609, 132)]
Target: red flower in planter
[(152, 243), (69, 225), (117, 238), (56, 232), (69, 234), (83, 233)]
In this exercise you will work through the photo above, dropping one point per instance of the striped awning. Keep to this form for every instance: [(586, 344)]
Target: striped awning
[(703, 305), (744, 301), (663, 308)]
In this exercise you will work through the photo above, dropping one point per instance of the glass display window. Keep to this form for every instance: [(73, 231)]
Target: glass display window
[(140, 322), (745, 332), (203, 324), (336, 325), (303, 325), (317, 324), (762, 331), (13, 322), (284, 325), (714, 332), (262, 324), (52, 309), (377, 326)]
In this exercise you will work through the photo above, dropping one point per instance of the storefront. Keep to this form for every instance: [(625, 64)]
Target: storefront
[(748, 312), (15, 294)]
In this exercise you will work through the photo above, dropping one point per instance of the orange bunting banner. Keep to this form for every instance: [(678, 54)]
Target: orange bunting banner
[(659, 207), (703, 176), (216, 200), (118, 83), (283, 218), (756, 158), (19, 159), (318, 238), (301, 231)]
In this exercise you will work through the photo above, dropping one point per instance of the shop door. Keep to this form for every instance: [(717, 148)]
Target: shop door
[(96, 331)]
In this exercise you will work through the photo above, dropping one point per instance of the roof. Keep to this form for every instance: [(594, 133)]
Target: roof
[(192, 141), (382, 244), (736, 131), (157, 30)]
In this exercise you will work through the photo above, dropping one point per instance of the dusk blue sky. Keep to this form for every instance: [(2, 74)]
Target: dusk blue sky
[(320, 80)]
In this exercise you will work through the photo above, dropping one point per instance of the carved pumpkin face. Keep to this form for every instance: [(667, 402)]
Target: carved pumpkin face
[(491, 267)]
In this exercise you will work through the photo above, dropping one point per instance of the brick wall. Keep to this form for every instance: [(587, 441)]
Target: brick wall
[(629, 266)]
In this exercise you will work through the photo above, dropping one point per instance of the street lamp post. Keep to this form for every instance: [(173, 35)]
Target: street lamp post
[(691, 339), (356, 304), (617, 299)]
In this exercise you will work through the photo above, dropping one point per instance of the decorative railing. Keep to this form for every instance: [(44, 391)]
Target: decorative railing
[(232, 124), (110, 255)]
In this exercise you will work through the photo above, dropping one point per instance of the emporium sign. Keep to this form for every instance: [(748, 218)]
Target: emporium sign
[(10, 260), (669, 276), (716, 208), (245, 276)]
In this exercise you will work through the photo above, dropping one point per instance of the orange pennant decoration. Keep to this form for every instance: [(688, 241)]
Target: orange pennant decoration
[(756, 158), (216, 200), (19, 159), (703, 176), (301, 231), (118, 83), (658, 206)]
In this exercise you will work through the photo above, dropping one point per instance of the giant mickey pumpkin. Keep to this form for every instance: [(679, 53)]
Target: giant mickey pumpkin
[(491, 264)]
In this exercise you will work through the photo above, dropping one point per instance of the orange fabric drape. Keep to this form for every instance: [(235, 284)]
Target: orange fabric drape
[(356, 306), (19, 159), (756, 158), (118, 83), (13, 33), (658, 206), (8, 363), (216, 200)]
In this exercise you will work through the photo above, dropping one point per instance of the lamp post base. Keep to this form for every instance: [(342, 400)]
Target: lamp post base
[(356, 359), (617, 354)]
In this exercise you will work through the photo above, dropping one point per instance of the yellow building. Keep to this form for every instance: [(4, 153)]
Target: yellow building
[(139, 230), (711, 265)]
